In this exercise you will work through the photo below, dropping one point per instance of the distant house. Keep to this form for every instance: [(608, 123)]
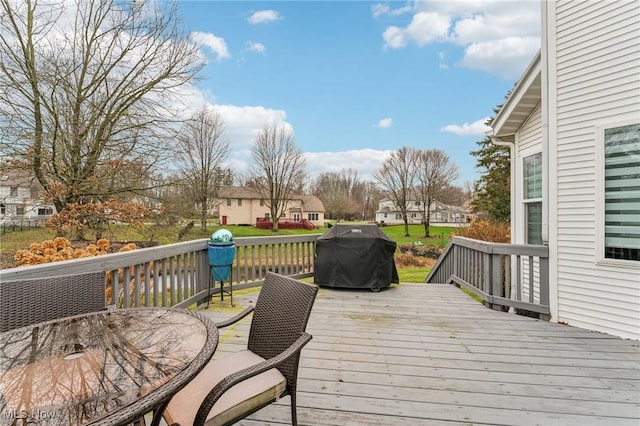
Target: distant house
[(389, 213), (19, 198), (243, 206), (573, 124)]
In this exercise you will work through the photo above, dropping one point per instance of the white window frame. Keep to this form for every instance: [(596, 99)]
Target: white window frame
[(600, 193), (527, 201)]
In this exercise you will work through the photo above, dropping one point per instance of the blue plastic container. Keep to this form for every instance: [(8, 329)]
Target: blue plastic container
[(222, 250)]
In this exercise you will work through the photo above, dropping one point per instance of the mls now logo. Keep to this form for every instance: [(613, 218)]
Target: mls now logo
[(33, 416)]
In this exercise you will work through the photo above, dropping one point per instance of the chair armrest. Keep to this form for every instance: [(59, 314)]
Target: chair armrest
[(235, 318), (244, 374)]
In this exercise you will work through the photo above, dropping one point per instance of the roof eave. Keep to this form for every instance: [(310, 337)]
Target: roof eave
[(524, 98)]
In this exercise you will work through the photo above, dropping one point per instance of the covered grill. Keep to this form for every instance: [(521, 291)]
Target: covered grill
[(355, 256)]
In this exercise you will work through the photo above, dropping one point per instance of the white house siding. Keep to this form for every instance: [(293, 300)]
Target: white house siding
[(530, 134), (597, 66), (529, 142)]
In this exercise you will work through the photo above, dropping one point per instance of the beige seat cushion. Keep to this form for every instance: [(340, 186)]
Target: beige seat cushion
[(241, 398)]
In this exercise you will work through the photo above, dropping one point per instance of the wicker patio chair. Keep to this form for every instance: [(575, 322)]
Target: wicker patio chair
[(29, 301), (237, 385)]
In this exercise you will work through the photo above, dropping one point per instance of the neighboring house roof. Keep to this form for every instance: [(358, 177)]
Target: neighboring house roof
[(239, 192), (311, 203)]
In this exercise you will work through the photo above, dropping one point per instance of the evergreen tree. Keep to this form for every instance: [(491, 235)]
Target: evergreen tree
[(493, 189)]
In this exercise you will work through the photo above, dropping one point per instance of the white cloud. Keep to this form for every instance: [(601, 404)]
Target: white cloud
[(264, 17), (216, 44), (380, 9), (510, 53), (477, 128), (256, 47), (385, 123), (424, 28), (497, 36), (242, 124), (442, 56), (368, 161)]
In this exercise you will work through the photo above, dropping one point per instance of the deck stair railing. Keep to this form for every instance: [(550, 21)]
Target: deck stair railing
[(179, 274), (503, 275)]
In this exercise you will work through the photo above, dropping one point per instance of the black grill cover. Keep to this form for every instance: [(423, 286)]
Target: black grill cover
[(355, 256)]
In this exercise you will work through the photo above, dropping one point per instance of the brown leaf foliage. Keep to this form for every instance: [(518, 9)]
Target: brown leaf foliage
[(495, 232)]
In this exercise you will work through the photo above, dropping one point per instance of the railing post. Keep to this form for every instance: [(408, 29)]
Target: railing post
[(203, 270), (544, 284), (496, 279), (487, 278), (456, 260)]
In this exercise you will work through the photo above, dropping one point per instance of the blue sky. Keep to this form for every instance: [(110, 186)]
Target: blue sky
[(357, 80)]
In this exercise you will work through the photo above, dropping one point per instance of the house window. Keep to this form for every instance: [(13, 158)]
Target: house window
[(20, 210), (45, 211), (261, 203), (622, 192), (417, 203), (3, 209), (312, 216), (267, 216), (13, 191), (532, 197), (228, 202), (239, 202)]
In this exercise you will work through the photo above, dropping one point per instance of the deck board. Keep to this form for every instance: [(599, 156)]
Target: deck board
[(430, 355)]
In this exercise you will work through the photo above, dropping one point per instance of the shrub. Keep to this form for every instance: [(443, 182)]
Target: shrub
[(58, 249), (61, 249), (407, 260), (491, 231), (420, 250)]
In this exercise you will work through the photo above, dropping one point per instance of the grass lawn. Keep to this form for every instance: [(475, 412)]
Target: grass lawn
[(413, 275), (438, 235)]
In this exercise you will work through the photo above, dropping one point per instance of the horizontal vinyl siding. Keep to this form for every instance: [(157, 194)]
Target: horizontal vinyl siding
[(598, 80), (530, 135)]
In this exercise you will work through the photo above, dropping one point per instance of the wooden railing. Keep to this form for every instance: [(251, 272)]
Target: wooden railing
[(179, 274), (502, 275)]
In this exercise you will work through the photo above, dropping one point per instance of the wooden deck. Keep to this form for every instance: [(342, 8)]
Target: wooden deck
[(428, 354)]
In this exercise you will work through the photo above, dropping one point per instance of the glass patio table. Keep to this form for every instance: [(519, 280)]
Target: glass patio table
[(104, 368)]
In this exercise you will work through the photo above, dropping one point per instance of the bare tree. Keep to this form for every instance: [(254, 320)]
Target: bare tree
[(202, 152), (340, 192), (278, 169), (370, 197), (89, 89), (434, 173), (396, 178)]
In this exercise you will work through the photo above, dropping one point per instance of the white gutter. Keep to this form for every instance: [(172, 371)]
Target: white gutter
[(546, 81), (512, 199)]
